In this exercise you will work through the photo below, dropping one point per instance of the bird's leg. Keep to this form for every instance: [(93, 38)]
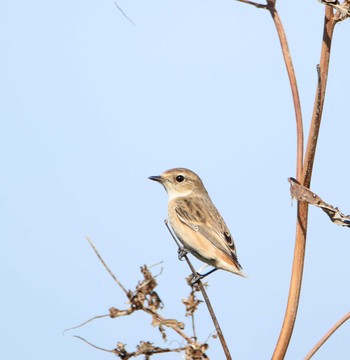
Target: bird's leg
[(200, 276), (182, 252)]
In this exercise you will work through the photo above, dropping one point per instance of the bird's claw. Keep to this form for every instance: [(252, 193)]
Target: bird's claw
[(199, 276), (196, 279), (182, 252)]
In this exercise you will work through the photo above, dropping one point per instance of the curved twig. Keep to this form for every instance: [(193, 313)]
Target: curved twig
[(293, 85), (86, 322), (302, 212), (94, 346), (327, 335), (271, 7)]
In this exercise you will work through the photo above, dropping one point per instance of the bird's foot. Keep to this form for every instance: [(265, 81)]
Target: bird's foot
[(182, 252), (199, 276)]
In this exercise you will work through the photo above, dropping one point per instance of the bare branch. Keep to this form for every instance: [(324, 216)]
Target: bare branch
[(329, 25), (328, 334), (94, 346), (192, 303), (105, 266), (206, 298), (302, 212), (271, 6), (86, 322), (123, 13), (253, 3), (293, 85)]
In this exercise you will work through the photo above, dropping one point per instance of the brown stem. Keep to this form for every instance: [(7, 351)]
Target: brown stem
[(105, 266), (271, 7), (320, 95), (293, 85), (215, 321), (206, 299), (253, 3), (303, 170), (295, 283), (328, 334), (302, 215)]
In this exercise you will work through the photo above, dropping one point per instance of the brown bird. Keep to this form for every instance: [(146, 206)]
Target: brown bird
[(196, 221)]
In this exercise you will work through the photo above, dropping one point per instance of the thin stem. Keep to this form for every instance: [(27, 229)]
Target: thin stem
[(86, 322), (94, 346), (303, 169), (293, 85), (329, 25), (253, 3), (193, 326), (123, 12), (302, 214), (206, 299), (105, 266), (295, 283), (328, 334), (271, 7)]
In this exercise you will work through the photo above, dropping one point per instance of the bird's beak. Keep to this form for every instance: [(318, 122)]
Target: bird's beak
[(156, 178)]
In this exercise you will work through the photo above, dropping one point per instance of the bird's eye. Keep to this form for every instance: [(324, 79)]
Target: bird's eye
[(180, 178)]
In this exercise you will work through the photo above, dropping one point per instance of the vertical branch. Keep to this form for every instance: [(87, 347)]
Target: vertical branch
[(295, 283), (271, 6), (303, 169), (320, 95), (302, 214)]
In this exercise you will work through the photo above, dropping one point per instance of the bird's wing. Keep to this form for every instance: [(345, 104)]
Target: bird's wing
[(209, 223)]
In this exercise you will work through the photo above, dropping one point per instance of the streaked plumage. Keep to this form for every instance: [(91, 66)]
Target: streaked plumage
[(196, 221)]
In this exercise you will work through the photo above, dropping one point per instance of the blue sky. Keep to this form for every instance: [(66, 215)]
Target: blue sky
[(92, 105)]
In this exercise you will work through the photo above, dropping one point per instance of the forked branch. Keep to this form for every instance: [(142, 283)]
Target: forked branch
[(304, 166), (302, 212)]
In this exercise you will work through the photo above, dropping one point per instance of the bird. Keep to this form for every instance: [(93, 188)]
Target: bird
[(196, 222)]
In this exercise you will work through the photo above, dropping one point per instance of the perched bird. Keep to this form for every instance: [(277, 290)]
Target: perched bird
[(196, 221)]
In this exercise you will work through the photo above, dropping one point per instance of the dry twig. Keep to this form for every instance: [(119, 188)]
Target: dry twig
[(123, 12), (145, 298), (302, 193), (329, 333)]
